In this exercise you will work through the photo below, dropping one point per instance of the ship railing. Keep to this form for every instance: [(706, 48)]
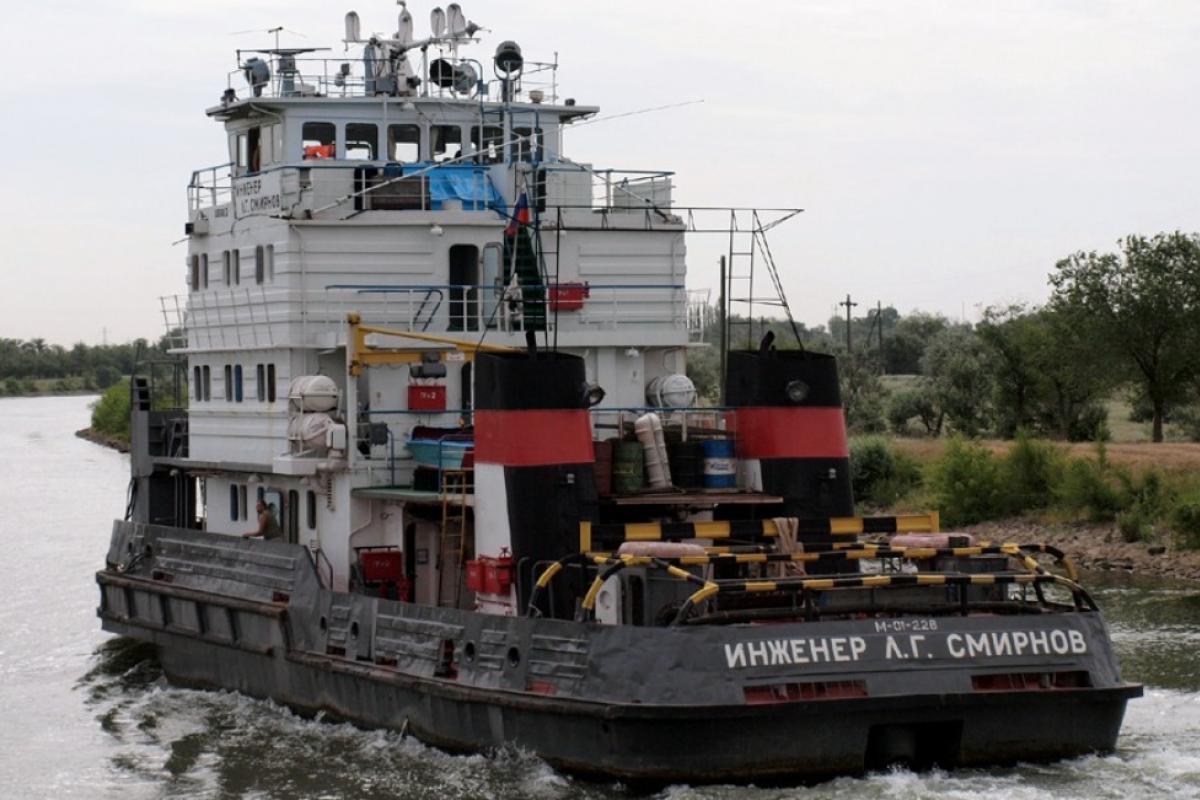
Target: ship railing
[(476, 308), (346, 77), (781, 574), (210, 187), (233, 316)]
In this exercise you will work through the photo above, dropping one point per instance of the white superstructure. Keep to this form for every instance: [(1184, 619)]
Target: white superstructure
[(381, 186)]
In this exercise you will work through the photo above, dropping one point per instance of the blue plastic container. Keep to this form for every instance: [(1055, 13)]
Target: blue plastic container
[(720, 467)]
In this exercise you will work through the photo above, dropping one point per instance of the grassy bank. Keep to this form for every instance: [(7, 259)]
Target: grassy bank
[(1149, 492)]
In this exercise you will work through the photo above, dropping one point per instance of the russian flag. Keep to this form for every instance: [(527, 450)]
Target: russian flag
[(520, 216)]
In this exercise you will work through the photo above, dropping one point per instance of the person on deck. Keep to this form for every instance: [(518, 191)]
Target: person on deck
[(268, 526)]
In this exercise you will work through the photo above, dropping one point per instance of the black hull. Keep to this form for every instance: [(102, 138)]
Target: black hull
[(646, 705), (794, 741)]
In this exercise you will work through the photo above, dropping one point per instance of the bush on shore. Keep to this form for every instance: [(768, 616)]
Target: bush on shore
[(110, 414), (880, 475)]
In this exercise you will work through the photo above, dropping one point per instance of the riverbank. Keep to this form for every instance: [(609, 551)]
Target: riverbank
[(1096, 547), (104, 439)]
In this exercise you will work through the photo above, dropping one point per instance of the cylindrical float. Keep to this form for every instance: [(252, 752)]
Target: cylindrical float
[(687, 463), (627, 475), (604, 467), (720, 469)]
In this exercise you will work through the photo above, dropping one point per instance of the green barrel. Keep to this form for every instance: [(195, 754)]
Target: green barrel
[(627, 467)]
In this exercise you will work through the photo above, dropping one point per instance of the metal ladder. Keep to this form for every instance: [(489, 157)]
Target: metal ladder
[(452, 544), (748, 247)]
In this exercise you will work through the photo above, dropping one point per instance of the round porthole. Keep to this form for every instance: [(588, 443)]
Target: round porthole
[(469, 651), (514, 657)]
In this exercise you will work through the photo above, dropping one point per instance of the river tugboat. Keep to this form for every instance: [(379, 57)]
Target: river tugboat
[(441, 470)]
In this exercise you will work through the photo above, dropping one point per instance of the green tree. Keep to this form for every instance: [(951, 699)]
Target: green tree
[(1047, 373), (1143, 304), (955, 364)]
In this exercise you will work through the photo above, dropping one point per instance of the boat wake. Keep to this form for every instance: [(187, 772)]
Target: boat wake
[(180, 742)]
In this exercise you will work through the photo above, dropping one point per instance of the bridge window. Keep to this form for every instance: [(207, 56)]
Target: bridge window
[(361, 140), (195, 273), (206, 374), (270, 262), (447, 142), (260, 264), (235, 266), (237, 383), (488, 141), (404, 143), (204, 270), (226, 264), (242, 504), (260, 382), (198, 384), (319, 140), (233, 501), (270, 383), (310, 501), (228, 383)]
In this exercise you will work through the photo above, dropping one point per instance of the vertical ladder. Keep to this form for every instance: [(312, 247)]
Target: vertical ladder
[(456, 484)]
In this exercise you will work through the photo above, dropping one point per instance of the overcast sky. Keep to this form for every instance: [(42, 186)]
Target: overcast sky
[(946, 153)]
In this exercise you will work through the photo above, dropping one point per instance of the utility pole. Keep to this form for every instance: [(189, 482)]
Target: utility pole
[(879, 319), (849, 305)]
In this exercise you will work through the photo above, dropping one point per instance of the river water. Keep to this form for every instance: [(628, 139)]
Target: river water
[(86, 715)]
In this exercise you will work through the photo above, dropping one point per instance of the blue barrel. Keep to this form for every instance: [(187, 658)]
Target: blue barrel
[(720, 470)]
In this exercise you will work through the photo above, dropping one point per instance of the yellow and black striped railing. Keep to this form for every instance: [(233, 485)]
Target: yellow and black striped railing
[(594, 536), (609, 564), (804, 585)]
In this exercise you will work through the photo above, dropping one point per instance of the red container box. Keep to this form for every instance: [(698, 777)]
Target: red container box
[(426, 398), (475, 576), (497, 574), (568, 296), (382, 565)]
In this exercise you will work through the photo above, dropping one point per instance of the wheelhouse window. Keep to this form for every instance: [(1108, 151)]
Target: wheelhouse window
[(233, 502), (243, 153), (270, 383), (270, 262), (446, 142), (197, 384), (260, 382), (319, 140), (488, 141), (404, 143), (237, 383), (260, 264), (206, 375), (236, 267), (194, 278), (529, 143), (243, 506), (204, 270), (228, 383), (361, 140), (227, 267)]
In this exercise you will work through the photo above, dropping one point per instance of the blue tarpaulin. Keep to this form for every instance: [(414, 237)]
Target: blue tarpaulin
[(467, 183)]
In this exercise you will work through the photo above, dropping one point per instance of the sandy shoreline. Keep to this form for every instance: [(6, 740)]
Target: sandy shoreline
[(103, 439), (1097, 546)]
